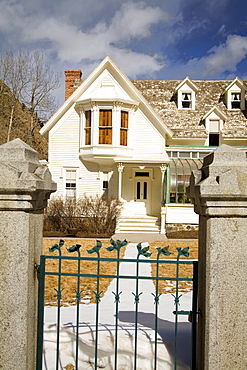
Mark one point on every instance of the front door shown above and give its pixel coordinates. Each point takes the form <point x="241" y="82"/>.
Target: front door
<point x="142" y="192"/>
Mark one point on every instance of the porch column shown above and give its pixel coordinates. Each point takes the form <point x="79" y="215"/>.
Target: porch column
<point x="163" y="208"/>
<point x="168" y="175"/>
<point x="163" y="172"/>
<point x="219" y="194"/>
<point x="120" y="168"/>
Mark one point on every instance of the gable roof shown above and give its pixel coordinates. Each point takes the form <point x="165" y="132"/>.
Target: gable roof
<point x="217" y="111"/>
<point x="127" y="85"/>
<point x="238" y="82"/>
<point x="187" y="81"/>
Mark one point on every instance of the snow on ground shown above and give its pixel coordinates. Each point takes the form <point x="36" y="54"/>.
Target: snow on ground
<point x="126" y="326"/>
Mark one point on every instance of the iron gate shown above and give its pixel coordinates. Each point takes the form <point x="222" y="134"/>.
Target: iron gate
<point x="136" y="281"/>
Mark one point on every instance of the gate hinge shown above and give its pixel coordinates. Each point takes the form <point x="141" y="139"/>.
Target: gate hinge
<point x="37" y="267"/>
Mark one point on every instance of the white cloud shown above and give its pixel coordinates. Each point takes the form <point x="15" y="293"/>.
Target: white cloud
<point x="226" y="56"/>
<point x="72" y="44"/>
<point x="219" y="61"/>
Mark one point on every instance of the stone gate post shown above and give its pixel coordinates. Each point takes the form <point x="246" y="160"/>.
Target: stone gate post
<point x="219" y="194"/>
<point x="25" y="186"/>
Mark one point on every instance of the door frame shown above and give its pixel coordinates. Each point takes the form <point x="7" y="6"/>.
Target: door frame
<point x="142" y="179"/>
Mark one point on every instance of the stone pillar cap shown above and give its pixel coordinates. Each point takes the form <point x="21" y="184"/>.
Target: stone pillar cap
<point x="221" y="181"/>
<point x="23" y="181"/>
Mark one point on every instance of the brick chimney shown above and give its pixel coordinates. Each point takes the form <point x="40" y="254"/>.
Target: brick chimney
<point x="72" y="81"/>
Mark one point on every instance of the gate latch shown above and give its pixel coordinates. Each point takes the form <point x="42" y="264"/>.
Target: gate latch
<point x="188" y="313"/>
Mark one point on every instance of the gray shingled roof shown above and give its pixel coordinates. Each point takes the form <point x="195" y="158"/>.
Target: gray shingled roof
<point x="188" y="123"/>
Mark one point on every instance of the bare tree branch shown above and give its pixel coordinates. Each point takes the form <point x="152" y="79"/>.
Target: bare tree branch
<point x="32" y="83"/>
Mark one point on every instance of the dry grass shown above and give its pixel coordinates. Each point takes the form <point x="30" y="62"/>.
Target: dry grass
<point x="169" y="270"/>
<point x="69" y="284"/>
<point x="88" y="285"/>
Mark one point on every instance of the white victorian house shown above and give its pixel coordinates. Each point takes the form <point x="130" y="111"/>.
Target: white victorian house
<point x="140" y="140"/>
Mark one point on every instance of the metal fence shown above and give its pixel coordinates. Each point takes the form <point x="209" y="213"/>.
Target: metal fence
<point x="136" y="282"/>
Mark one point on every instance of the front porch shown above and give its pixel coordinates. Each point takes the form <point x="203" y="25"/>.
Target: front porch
<point x="153" y="195"/>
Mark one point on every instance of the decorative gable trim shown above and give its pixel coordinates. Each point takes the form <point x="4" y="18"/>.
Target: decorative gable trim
<point x="187" y="81"/>
<point x="108" y="63"/>
<point x="238" y="82"/>
<point x="218" y="113"/>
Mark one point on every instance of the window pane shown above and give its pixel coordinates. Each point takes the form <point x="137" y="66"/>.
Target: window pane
<point x="87" y="127"/>
<point x="138" y="190"/>
<point x="124" y="119"/>
<point x="105" y="126"/>
<point x="214" y="125"/>
<point x="144" y="174"/>
<point x="105" y="118"/>
<point x="235" y="100"/>
<point x="70" y="184"/>
<point x="88" y="118"/>
<point x="186" y="100"/>
<point x="123" y="137"/>
<point x="214" y="139"/>
<point x="145" y="187"/>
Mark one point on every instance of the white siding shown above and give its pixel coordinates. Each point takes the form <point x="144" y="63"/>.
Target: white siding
<point x="64" y="153"/>
<point x="146" y="139"/>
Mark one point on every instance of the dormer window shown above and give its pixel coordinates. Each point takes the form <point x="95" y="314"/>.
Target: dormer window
<point x="234" y="95"/>
<point x="235" y="100"/>
<point x="186" y="100"/>
<point x="214" y="123"/>
<point x="186" y="94"/>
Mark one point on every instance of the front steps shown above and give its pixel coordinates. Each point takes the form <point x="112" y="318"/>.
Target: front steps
<point x="144" y="224"/>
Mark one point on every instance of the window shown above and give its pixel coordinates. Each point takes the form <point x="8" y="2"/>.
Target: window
<point x="70" y="185"/>
<point x="214" y="132"/>
<point x="105" y="185"/>
<point x="235" y="100"/>
<point x="186" y="100"/>
<point x="178" y="185"/>
<point x="88" y="127"/>
<point x="124" y="128"/>
<point x="214" y="139"/>
<point x="105" y="126"/>
<point x="142" y="174"/>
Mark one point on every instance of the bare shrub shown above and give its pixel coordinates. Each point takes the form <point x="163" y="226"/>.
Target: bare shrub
<point x="90" y="215"/>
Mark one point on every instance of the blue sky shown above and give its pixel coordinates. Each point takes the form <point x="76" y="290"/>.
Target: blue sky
<point x="158" y="39"/>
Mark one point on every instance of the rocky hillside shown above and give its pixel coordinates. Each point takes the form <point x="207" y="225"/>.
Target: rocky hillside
<point x="15" y="121"/>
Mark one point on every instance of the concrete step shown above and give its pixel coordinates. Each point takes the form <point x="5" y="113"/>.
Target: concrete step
<point x="139" y="224"/>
